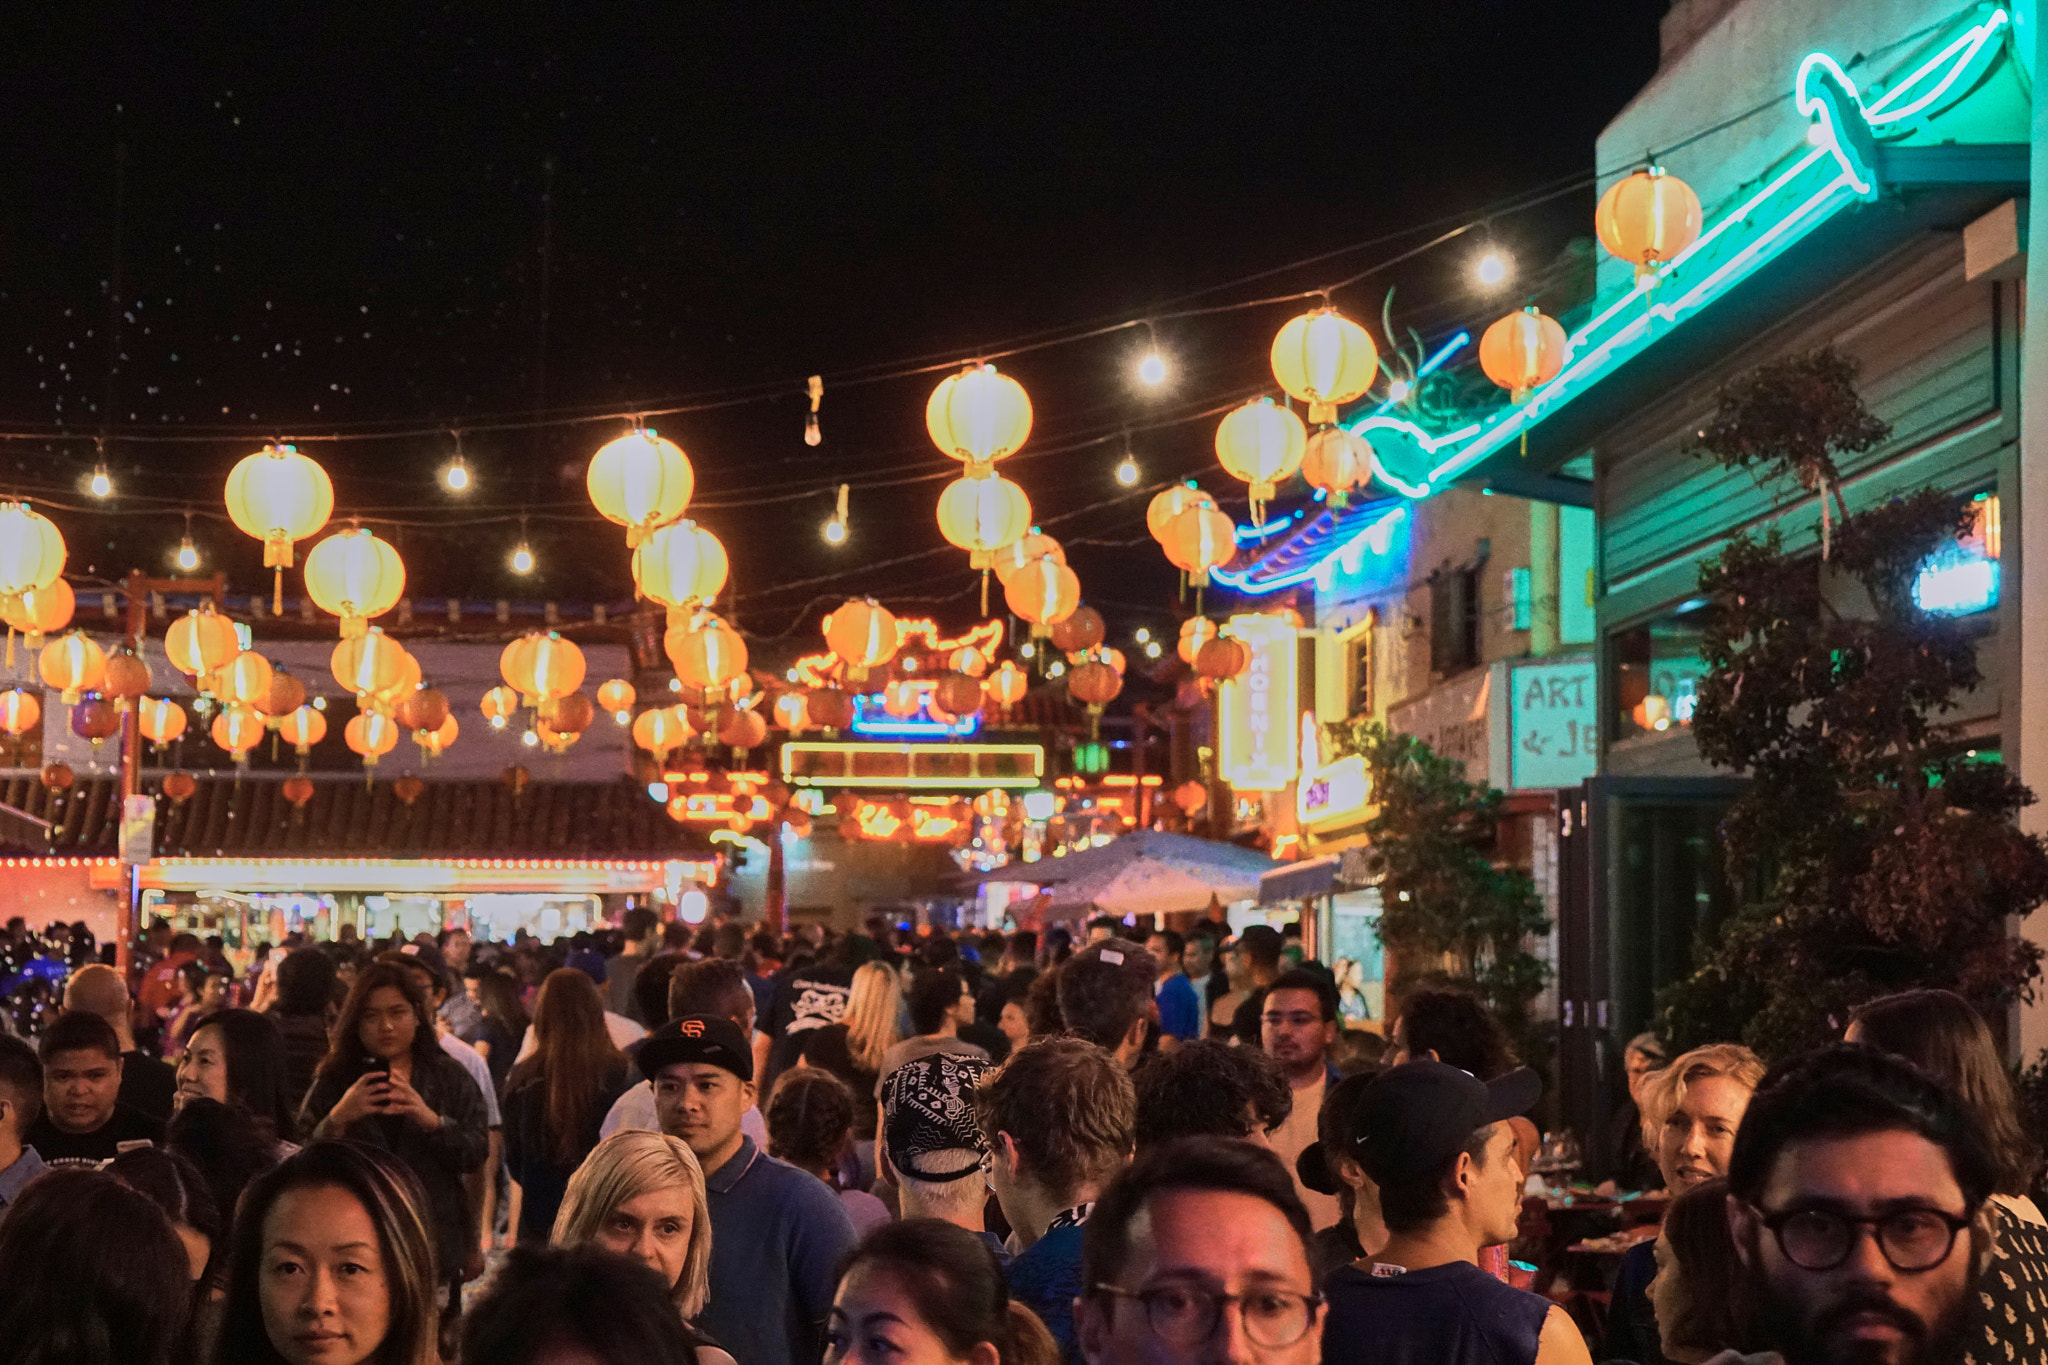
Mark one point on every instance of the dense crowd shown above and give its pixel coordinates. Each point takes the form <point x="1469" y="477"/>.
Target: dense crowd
<point x="656" y="1144"/>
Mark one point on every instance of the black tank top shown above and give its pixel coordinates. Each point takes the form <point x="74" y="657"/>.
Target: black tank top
<point x="1454" y="1314"/>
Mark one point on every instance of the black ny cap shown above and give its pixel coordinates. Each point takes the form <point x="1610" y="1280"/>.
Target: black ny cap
<point x="1414" y="1119"/>
<point x="711" y="1038"/>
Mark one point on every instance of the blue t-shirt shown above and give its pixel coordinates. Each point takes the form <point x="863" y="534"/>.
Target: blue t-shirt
<point x="1046" y="1278"/>
<point x="1454" y="1314"/>
<point x="777" y="1237"/>
<point x="1180" y="1009"/>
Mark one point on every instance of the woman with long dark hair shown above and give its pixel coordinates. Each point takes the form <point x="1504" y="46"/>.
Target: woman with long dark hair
<point x="91" y="1273"/>
<point x="387" y="1083"/>
<point x="927" y="1290"/>
<point x="505" y="1022"/>
<point x="557" y="1098"/>
<point x="238" y="1057"/>
<point x="331" y="1261"/>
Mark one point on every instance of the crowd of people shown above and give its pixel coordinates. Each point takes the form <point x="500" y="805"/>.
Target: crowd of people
<point x="919" y="1148"/>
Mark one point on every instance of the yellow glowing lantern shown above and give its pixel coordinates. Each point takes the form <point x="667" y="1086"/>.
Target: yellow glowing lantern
<point x="368" y="664"/>
<point x="370" y="735"/>
<point x="616" y="696"/>
<point x="640" y="481"/>
<point x="1112" y="656"/>
<point x="40" y="611"/>
<point x="1194" y="633"/>
<point x="1522" y="352"/>
<point x="792" y="712"/>
<point x="1043" y="593"/>
<point x="160" y="719"/>
<point x="981" y="514"/>
<point x="864" y="634"/>
<point x="969" y="660"/>
<point x="404" y="686"/>
<point x="1261" y="443"/>
<point x="1200" y="539"/>
<point x="1337" y="462"/>
<point x="73" y="665"/>
<point x="355" y="575"/>
<point x="1031" y="545"/>
<point x="434" y="743"/>
<point x="661" y="730"/>
<point x="1648" y="219"/>
<point x="200" y="641"/>
<point x="1169" y="503"/>
<point x="302" y="729"/>
<point x="20" y="711"/>
<point x="680" y="565"/>
<point x="903" y="698"/>
<point x="978" y="416"/>
<point x="542" y="667"/>
<point x="238" y="728"/>
<point x="1007" y="685"/>
<point x="245" y="678"/>
<point x="1323" y="359"/>
<point x="706" y="652"/>
<point x="499" y="705"/>
<point x="31" y="553"/>
<point x="279" y="496"/>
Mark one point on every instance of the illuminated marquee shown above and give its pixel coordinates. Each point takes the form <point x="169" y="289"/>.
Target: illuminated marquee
<point x="923" y="821"/>
<point x="818" y="670"/>
<point x="1329" y="794"/>
<point x="963" y="767"/>
<point x="1255" y="748"/>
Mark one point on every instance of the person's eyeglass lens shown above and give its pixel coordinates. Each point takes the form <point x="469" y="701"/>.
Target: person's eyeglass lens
<point x="1911" y="1239"/>
<point x="1183" y="1315"/>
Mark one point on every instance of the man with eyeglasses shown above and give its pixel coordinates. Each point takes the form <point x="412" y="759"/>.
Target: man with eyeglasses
<point x="1858" y="1188"/>
<point x="1199" y="1252"/>
<point x="1297" y="1025"/>
<point x="1438" y="1144"/>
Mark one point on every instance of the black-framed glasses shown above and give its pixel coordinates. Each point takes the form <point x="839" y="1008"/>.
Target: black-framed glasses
<point x="1821" y="1239"/>
<point x="1187" y="1315"/>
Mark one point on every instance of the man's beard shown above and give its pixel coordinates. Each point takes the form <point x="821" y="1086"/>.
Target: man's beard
<point x="1783" y="1326"/>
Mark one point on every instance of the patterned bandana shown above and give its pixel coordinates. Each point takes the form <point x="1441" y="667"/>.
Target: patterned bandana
<point x="927" y="1107"/>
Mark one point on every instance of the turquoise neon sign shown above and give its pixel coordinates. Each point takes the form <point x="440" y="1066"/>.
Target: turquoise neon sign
<point x="1349" y="557"/>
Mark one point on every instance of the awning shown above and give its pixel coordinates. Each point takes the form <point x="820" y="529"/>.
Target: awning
<point x="1298" y="881"/>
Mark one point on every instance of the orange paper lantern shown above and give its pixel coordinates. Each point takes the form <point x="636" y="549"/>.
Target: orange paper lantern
<point x="435" y="742"/>
<point x="706" y="652"/>
<point x="616" y="696"/>
<point x="1169" y="503"/>
<point x="863" y="634"/>
<point x="160" y="720"/>
<point x="73" y="665"/>
<point x="200" y="641"/>
<point x="1043" y="593"/>
<point x="1007" y="685"/>
<point x="828" y="708"/>
<point x="1648" y="219"/>
<point x="302" y="728"/>
<point x="1082" y="630"/>
<point x="20" y="712"/>
<point x="1031" y="545"/>
<point x="238" y="728"/>
<point x="40" y="611"/>
<point x="127" y="676"/>
<point x="370" y="735"/>
<point x="1522" y="352"/>
<point x="368" y="664"/>
<point x="1337" y="462"/>
<point x="1198" y="540"/>
<point x="1094" y="684"/>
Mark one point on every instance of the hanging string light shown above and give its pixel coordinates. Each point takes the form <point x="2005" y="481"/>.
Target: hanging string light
<point x="815" y="387"/>
<point x="455" y="475"/>
<point x="522" y="553"/>
<point x="834" y="529"/>
<point x="1127" y="470"/>
<point x="101" y="484"/>
<point x="187" y="556"/>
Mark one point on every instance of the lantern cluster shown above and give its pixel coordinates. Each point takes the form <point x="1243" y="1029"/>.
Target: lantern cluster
<point x="978" y="417"/>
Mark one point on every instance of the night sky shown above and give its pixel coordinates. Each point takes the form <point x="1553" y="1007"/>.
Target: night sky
<point x="340" y="219"/>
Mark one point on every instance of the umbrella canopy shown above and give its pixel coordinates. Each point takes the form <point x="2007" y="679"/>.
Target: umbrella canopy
<point x="1145" y="872"/>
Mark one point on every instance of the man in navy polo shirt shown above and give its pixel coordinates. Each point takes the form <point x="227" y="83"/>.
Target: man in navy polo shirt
<point x="777" y="1233"/>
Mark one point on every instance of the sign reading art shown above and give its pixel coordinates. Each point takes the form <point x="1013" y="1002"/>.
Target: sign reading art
<point x="1553" y="724"/>
<point x="1256" y="709"/>
<point x="1329" y="794"/>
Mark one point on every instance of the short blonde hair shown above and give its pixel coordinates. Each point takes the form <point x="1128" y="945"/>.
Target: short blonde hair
<point x="625" y="1166"/>
<point x="1664" y="1090"/>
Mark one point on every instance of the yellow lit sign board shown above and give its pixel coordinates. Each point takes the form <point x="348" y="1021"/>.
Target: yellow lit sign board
<point x="900" y="767"/>
<point x="1256" y="709"/>
<point x="1329" y="794"/>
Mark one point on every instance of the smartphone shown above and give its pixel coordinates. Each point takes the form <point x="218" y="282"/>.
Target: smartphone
<point x="382" y="1064"/>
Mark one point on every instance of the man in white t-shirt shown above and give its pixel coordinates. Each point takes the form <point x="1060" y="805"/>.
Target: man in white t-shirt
<point x="1297" y="1025"/>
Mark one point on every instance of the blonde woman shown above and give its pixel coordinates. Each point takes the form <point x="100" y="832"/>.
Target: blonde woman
<point x="853" y="1049"/>
<point x="642" y="1195"/>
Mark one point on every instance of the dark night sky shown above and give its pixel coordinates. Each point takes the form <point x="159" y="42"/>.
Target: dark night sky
<point x="337" y="221"/>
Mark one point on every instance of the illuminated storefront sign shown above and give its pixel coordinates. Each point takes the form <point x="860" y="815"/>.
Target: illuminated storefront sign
<point x="907" y="822"/>
<point x="870" y="718"/>
<point x="1255" y="747"/>
<point x="425" y="876"/>
<point x="1963" y="579"/>
<point x="1553" y="724"/>
<point x="1330" y="794"/>
<point x="966" y="767"/>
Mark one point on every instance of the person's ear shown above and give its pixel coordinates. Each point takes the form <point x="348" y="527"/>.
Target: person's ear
<point x="748" y="1094"/>
<point x="1005" y="1153"/>
<point x="1742" y="1226"/>
<point x="1431" y="1054"/>
<point x="984" y="1353"/>
<point x="1091" y="1327"/>
<point x="1134" y="1036"/>
<point x="1351" y="1173"/>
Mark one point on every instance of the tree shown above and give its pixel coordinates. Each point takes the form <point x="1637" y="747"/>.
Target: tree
<point x="1448" y="915"/>
<point x="1885" y="855"/>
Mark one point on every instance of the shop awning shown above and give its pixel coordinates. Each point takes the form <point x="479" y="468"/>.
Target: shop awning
<point x="1145" y="872"/>
<point x="1299" y="881"/>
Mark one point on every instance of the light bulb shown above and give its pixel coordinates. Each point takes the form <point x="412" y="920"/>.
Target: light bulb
<point x="456" y="475"/>
<point x="812" y="436"/>
<point x="1141" y="635"/>
<point x="1152" y="370"/>
<point x="1492" y="269"/>
<point x="1027" y="650"/>
<point x="522" y="559"/>
<point x="835" y="532"/>
<point x="1056" y="669"/>
<point x="101" y="485"/>
<point x="1398" y="391"/>
<point x="188" y="555"/>
<point x="1152" y="649"/>
<point x="497" y="722"/>
<point x="529" y="739"/>
<point x="1127" y="471"/>
<point x="623" y="717"/>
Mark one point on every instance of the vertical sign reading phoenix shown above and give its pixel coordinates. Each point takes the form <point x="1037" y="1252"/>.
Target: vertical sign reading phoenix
<point x="1257" y="709"/>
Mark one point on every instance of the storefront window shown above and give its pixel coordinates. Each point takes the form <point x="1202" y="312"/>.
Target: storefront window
<point x="1963" y="579"/>
<point x="1657" y="673"/>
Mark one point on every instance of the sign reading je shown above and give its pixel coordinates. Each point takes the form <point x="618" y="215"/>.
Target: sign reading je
<point x="1553" y="724"/>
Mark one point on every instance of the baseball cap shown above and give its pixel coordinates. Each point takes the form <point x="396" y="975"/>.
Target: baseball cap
<point x="1414" y="1119"/>
<point x="711" y="1038"/>
<point x="928" y="1106"/>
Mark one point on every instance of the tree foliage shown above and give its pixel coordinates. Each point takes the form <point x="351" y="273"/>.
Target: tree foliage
<point x="1448" y="913"/>
<point x="1886" y="858"/>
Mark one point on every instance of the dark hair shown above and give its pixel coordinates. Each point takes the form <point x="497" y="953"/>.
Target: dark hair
<point x="729" y="940"/>
<point x="1846" y="1091"/>
<point x="1102" y="997"/>
<point x="573" y="1060"/>
<point x="1261" y="945"/>
<point x="650" y="987"/>
<point x="1109" y="922"/>
<point x="1068" y="1106"/>
<point x="305" y="981"/>
<point x="227" y="1145"/>
<point x="94" y="1274"/>
<point x="939" y="951"/>
<point x="1059" y="945"/>
<point x="953" y="1278"/>
<point x="344" y="1060"/>
<point x="182" y="942"/>
<point x="1939" y="1032"/>
<point x="1714" y="1313"/>
<point x="809" y="1118"/>
<point x="933" y="994"/>
<point x="638" y="923"/>
<point x="1196" y="1163"/>
<point x="390" y="1194"/>
<point x="1205" y="1088"/>
<point x="1042" y="1004"/>
<point x="424" y="963"/>
<point x="1024" y="945"/>
<point x="714" y="986"/>
<point x="1417" y="1201"/>
<point x="175" y="1185"/>
<point x="613" y="1307"/>
<point x="79" y="1031"/>
<point x="1175" y="944"/>
<point x="193" y="974"/>
<point x="1458" y="1029"/>
<point x="1314" y="982"/>
<point x="21" y="1075"/>
<point x="497" y="993"/>
<point x="256" y="1065"/>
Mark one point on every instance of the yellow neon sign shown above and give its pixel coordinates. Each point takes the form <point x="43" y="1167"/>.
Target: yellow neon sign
<point x="1255" y="750"/>
<point x="851" y="763"/>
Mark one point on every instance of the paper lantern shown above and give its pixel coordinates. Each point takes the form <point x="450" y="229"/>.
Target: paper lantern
<point x="302" y="728"/>
<point x="969" y="660"/>
<point x="58" y="777"/>
<point x="540" y="666"/>
<point x="1169" y="503"/>
<point x="903" y="699"/>
<point x="20" y="712"/>
<point x="1194" y="633"/>
<point x="424" y="711"/>
<point x="244" y="679"/>
<point x="40" y="611"/>
<point x="706" y="652"/>
<point x="572" y="714"/>
<point x="1648" y="219"/>
<point x="73" y="665"/>
<point x="298" y="790"/>
<point x="983" y="513"/>
<point x="640" y="481"/>
<point x="1082" y="630"/>
<point x="862" y="633"/>
<point x="370" y="735"/>
<point x="279" y="496"/>
<point x="616" y="696"/>
<point x="791" y="712"/>
<point x="660" y="730"/>
<point x="978" y="416"/>
<point x="680" y="565"/>
<point x="1323" y="359"/>
<point x="238" y="728"/>
<point x="1031" y="545"/>
<point x="160" y="719"/>
<point x="1522" y="352"/>
<point x="355" y="575"/>
<point x="31" y="553"/>
<point x="1261" y="443"/>
<point x="408" y="789"/>
<point x="435" y="742"/>
<point x="1200" y="539"/>
<point x="1222" y="658"/>
<point x="127" y="676"/>
<point x="1094" y="684"/>
<point x="1007" y="685"/>
<point x="741" y="729"/>
<point x="180" y="787"/>
<point x="1043" y="593"/>
<point x="369" y="663"/>
<point x="387" y="699"/>
<point x="1338" y="462"/>
<point x="498" y="706"/>
<point x="286" y="695"/>
<point x="1111" y="656"/>
<point x="1190" y="797"/>
<point x="201" y="641"/>
<point x="828" y="708"/>
<point x="958" y="694"/>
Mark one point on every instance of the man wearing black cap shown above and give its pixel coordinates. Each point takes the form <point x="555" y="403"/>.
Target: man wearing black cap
<point x="777" y="1233"/>
<point x="1438" y="1145"/>
<point x="931" y="1147"/>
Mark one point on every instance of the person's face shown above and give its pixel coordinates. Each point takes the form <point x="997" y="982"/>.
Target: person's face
<point x="473" y="987"/>
<point x="1100" y="932"/>
<point x="203" y="1070"/>
<point x="1210" y="1241"/>
<point x="214" y="994"/>
<point x="1638" y="1066"/>
<point x="1165" y="961"/>
<point x="1863" y="1310"/>
<point x="1014" y="1025"/>
<point x="1196" y="957"/>
<point x="388" y="1023"/>
<point x="322" y="1281"/>
<point x="456" y="954"/>
<point x="701" y="1104"/>
<point x="1696" y="1140"/>
<point x="1293" y="1029"/>
<point x="875" y="1321"/>
<point x="1493" y="1193"/>
<point x="654" y="1228"/>
<point x="79" y="1088"/>
<point x="963" y="1010"/>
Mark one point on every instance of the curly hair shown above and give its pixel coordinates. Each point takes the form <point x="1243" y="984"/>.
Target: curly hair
<point x="1067" y="1106"/>
<point x="1207" y="1087"/>
<point x="809" y="1118"/>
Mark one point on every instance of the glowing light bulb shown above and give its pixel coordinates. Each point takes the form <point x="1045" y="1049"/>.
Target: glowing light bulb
<point x="529" y="739"/>
<point x="623" y="717"/>
<point x="1127" y="471"/>
<point x="1141" y="635"/>
<point x="101" y="484"/>
<point x="1152" y="649"/>
<point x="497" y="722"/>
<point x="1398" y="391"/>
<point x="812" y="436"/>
<point x="522" y="559"/>
<point x="456" y="476"/>
<point x="1152" y="370"/>
<point x="188" y="555"/>
<point x="1056" y="669"/>
<point x="1027" y="650"/>
<point x="675" y="684"/>
<point x="1493" y="268"/>
<point x="835" y="532"/>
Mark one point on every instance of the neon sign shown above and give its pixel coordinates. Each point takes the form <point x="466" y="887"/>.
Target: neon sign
<point x="1255" y="709"/>
<point x="907" y="822"/>
<point x="816" y="670"/>
<point x="1335" y="793"/>
<point x="1376" y="539"/>
<point x="872" y="718"/>
<point x="954" y="766"/>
